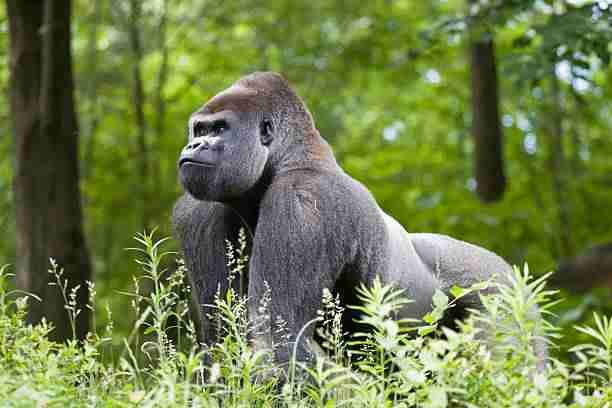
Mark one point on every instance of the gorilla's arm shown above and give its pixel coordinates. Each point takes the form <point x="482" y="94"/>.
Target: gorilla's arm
<point x="293" y="255"/>
<point x="202" y="228"/>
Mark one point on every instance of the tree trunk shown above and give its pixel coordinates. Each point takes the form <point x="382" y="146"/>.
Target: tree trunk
<point x="556" y="165"/>
<point x="486" y="129"/>
<point x="46" y="183"/>
<point x="91" y="93"/>
<point x="590" y="269"/>
<point x="138" y="103"/>
<point x="160" y="99"/>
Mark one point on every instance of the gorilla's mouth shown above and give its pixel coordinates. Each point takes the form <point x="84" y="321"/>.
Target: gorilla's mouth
<point x="186" y="161"/>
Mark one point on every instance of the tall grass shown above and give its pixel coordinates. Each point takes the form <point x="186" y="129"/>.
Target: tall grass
<point x="393" y="364"/>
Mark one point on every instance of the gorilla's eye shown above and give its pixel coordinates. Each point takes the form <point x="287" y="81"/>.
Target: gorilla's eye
<point x="266" y="127"/>
<point x="265" y="132"/>
<point x="200" y="129"/>
<point x="219" y="126"/>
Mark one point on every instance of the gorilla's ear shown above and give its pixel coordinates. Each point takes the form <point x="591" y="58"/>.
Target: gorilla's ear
<point x="266" y="131"/>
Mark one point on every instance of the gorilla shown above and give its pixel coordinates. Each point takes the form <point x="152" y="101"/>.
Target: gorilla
<point x="254" y="158"/>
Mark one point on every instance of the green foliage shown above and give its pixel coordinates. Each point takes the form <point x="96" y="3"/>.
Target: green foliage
<point x="388" y="85"/>
<point x="391" y="365"/>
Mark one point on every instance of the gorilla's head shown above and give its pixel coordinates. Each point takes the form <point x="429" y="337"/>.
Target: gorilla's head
<point x="226" y="154"/>
<point x="233" y="137"/>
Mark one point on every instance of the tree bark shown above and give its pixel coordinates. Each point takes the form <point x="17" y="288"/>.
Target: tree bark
<point x="486" y="129"/>
<point x="557" y="164"/>
<point x="92" y="119"/>
<point x="590" y="269"/>
<point x="138" y="104"/>
<point x="46" y="181"/>
<point x="160" y="99"/>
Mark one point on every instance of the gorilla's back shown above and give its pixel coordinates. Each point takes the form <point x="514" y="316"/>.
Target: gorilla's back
<point x="423" y="262"/>
<point x="450" y="259"/>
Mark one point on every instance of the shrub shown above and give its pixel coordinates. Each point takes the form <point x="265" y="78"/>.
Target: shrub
<point x="395" y="364"/>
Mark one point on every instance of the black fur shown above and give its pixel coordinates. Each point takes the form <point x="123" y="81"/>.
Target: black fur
<point x="314" y="226"/>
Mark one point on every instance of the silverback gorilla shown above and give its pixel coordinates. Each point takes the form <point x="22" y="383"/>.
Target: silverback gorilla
<point x="255" y="158"/>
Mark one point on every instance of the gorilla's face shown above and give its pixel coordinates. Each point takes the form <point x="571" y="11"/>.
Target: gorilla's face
<point x="225" y="156"/>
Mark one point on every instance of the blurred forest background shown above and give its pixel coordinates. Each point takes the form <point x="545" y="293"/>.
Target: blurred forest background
<point x="489" y="121"/>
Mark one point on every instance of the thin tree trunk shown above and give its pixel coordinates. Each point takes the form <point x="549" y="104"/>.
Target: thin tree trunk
<point x="556" y="166"/>
<point x="486" y="127"/>
<point x="536" y="193"/>
<point x="46" y="183"/>
<point x="582" y="110"/>
<point x="92" y="119"/>
<point x="160" y="101"/>
<point x="138" y="105"/>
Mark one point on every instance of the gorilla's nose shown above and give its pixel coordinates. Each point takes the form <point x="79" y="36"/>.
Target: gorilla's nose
<point x="203" y="143"/>
<point x="197" y="143"/>
<point x="202" y="151"/>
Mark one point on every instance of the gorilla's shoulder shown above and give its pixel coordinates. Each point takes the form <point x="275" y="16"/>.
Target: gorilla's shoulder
<point x="314" y="196"/>
<point x="330" y="186"/>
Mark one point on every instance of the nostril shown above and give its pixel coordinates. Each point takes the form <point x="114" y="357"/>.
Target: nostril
<point x="198" y="145"/>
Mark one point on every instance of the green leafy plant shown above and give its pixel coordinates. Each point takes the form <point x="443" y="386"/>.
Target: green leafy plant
<point x="393" y="362"/>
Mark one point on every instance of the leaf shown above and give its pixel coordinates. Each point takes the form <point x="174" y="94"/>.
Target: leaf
<point x="440" y="300"/>
<point x="425" y="330"/>
<point x="457" y="291"/>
